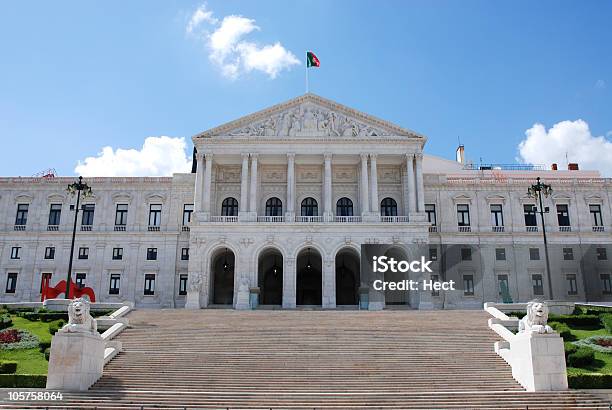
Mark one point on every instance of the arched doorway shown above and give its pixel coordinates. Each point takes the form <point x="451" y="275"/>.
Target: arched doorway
<point x="270" y="277"/>
<point x="309" y="278"/>
<point x="347" y="277"/>
<point x="222" y="268"/>
<point x="396" y="297"/>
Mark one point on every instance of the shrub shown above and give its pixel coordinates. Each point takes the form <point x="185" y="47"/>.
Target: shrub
<point x="51" y="316"/>
<point x="576" y="320"/>
<point x="7" y="367"/>
<point x="47" y="352"/>
<point x="606" y="321"/>
<point x="54" y="327"/>
<point x="563" y="330"/>
<point x="11" y="339"/>
<point x="23" y="380"/>
<point x="44" y="345"/>
<point x="5" y="321"/>
<point x="598" y="342"/>
<point x="569" y="349"/>
<point x="582" y="357"/>
<point x="581" y="380"/>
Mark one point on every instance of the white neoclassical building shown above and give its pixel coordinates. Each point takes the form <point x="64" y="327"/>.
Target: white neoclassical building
<point x="278" y="206"/>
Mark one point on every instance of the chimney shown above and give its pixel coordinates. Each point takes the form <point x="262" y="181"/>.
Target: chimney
<point x="553" y="167"/>
<point x="461" y="154"/>
<point x="572" y="166"/>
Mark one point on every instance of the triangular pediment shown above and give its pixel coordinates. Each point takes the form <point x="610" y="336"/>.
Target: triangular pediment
<point x="309" y="116"/>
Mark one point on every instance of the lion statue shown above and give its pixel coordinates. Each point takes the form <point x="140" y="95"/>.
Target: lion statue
<point x="79" y="319"/>
<point x="536" y="318"/>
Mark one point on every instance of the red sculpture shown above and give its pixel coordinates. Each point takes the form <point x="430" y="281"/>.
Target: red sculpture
<point x="49" y="292"/>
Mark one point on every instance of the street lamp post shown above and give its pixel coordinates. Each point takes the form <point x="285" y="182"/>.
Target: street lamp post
<point x="538" y="190"/>
<point x="79" y="188"/>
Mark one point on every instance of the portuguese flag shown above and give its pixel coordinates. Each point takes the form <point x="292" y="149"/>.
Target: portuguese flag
<point x="312" y="60"/>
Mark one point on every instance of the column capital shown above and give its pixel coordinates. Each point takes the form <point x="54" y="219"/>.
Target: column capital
<point x="418" y="156"/>
<point x="244" y="155"/>
<point x="199" y="156"/>
<point x="208" y="156"/>
<point x="410" y="155"/>
<point x="291" y="155"/>
<point x="254" y="155"/>
<point x="373" y="157"/>
<point x="327" y="156"/>
<point x="364" y="156"/>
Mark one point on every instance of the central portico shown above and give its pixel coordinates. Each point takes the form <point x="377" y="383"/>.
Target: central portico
<point x="285" y="197"/>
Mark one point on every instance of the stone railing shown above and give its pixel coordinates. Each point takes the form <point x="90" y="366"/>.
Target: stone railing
<point x="535" y="353"/>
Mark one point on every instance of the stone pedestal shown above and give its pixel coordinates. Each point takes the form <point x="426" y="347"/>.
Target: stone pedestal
<point x="243" y="299"/>
<point x="192" y="300"/>
<point x="76" y="361"/>
<point x="538" y="361"/>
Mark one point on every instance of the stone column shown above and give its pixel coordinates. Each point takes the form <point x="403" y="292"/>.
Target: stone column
<point x="244" y="186"/>
<point x="364" y="185"/>
<point x="289" y="276"/>
<point x="418" y="158"/>
<point x="374" y="184"/>
<point x="253" y="199"/>
<point x="329" y="284"/>
<point x="199" y="184"/>
<point x="411" y="183"/>
<point x="207" y="186"/>
<point x="290" y="215"/>
<point x="327" y="187"/>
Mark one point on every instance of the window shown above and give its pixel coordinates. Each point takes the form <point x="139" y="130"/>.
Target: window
<point x="229" y="207"/>
<point x="149" y="284"/>
<point x="185" y="254"/>
<point x="602" y="254"/>
<point x="80" y="280"/>
<point x="430" y="210"/>
<point x="115" y="281"/>
<point x="151" y="254"/>
<point x="606" y="284"/>
<point x="121" y="213"/>
<point x="538" y="287"/>
<point x="388" y="207"/>
<point x="502" y="282"/>
<point x="572" y="284"/>
<point x="155" y="214"/>
<point x="596" y="218"/>
<point x="117" y="254"/>
<point x="15" y="252"/>
<point x="187" y="211"/>
<point x="534" y="254"/>
<point x="55" y="213"/>
<point x="497" y="215"/>
<point x="11" y="282"/>
<point x="433" y="254"/>
<point x="22" y="214"/>
<point x="500" y="254"/>
<point x="568" y="254"/>
<point x="563" y="215"/>
<point x="466" y="254"/>
<point x="45" y="277"/>
<point x="182" y="285"/>
<point x="50" y="252"/>
<point x="309" y="207"/>
<point x="344" y="207"/>
<point x="463" y="215"/>
<point x="530" y="215"/>
<point x="435" y="278"/>
<point x="83" y="253"/>
<point x="88" y="214"/>
<point x="274" y="207"/>
<point x="468" y="285"/>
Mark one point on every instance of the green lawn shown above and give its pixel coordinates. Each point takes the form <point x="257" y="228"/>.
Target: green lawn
<point x="603" y="361"/>
<point x="40" y="329"/>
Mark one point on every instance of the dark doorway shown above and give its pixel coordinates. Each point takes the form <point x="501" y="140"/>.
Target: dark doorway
<point x="347" y="277"/>
<point x="396" y="297"/>
<point x="223" y="264"/>
<point x="309" y="278"/>
<point x="270" y="277"/>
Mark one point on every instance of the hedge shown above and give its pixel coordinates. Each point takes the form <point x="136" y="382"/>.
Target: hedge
<point x="42" y="346"/>
<point x="44" y="316"/>
<point x="23" y="380"/>
<point x="589" y="381"/>
<point x="53" y="328"/>
<point x="576" y="320"/>
<point x="606" y="320"/>
<point x="569" y="349"/>
<point x="7" y="367"/>
<point x="582" y="357"/>
<point x="563" y="330"/>
<point x="5" y="321"/>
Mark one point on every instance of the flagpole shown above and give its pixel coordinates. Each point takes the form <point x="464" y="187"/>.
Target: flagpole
<point x="306" y="72"/>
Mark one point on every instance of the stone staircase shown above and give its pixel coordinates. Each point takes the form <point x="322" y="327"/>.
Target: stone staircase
<point x="311" y="359"/>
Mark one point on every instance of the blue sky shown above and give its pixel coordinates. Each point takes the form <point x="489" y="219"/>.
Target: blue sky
<point x="80" y="76"/>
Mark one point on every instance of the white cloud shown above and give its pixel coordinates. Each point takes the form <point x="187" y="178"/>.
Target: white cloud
<point x="543" y="146"/>
<point x="159" y="156"/>
<point x="234" y="55"/>
<point x="200" y="16"/>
